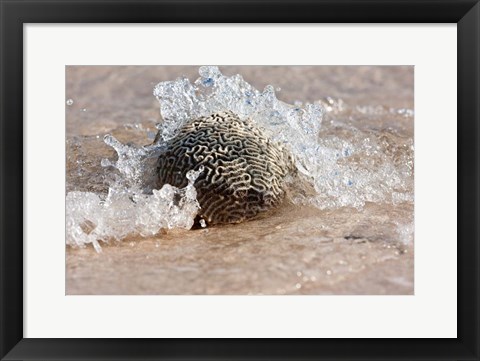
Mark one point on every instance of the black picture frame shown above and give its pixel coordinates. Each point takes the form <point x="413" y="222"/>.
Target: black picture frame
<point x="16" y="13"/>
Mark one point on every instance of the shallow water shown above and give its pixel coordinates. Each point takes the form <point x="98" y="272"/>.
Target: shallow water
<point x="353" y="237"/>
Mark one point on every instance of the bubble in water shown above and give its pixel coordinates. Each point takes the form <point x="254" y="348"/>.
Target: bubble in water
<point x="70" y="102"/>
<point x="203" y="224"/>
<point x="193" y="175"/>
<point x="105" y="163"/>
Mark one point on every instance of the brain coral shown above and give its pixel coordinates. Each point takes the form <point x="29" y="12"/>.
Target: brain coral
<point x="244" y="172"/>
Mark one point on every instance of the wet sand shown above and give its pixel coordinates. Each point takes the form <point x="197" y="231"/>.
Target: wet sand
<point x="294" y="250"/>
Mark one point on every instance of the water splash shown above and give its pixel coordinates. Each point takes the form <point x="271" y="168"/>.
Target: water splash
<point x="89" y="219"/>
<point x="339" y="163"/>
<point x="345" y="166"/>
<point x="132" y="206"/>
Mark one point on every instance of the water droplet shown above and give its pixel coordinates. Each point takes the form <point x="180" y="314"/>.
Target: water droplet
<point x="208" y="82"/>
<point x="298" y="286"/>
<point x="203" y="224"/>
<point x="105" y="163"/>
<point x="70" y="102"/>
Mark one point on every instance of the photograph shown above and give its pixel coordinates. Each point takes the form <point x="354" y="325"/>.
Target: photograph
<point x="239" y="180"/>
<point x="268" y="180"/>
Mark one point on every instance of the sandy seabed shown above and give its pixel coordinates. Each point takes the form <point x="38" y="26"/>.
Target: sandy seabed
<point x="295" y="250"/>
